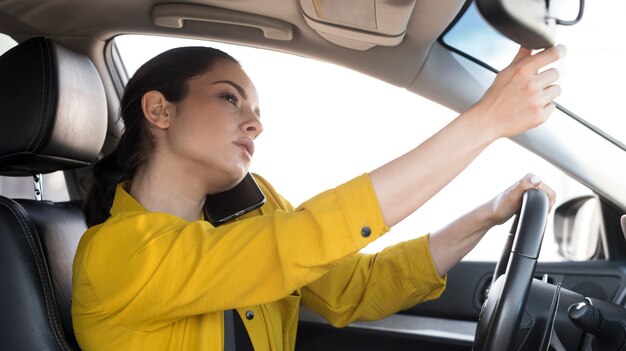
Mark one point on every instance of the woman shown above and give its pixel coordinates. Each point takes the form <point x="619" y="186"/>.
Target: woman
<point x="151" y="274"/>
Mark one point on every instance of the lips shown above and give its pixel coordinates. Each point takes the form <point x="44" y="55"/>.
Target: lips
<point x="246" y="144"/>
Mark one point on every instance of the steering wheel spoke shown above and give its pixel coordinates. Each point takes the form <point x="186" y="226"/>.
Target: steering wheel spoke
<point x="501" y="314"/>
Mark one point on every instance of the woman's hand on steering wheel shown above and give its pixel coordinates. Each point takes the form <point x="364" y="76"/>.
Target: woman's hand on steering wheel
<point x="508" y="202"/>
<point x="452" y="242"/>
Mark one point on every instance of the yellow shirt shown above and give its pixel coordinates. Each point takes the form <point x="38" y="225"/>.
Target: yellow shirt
<point x="153" y="281"/>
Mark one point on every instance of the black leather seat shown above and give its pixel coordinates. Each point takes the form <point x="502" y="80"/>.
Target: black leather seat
<point x="52" y="117"/>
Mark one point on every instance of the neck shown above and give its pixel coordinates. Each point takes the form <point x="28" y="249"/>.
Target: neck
<point x="159" y="187"/>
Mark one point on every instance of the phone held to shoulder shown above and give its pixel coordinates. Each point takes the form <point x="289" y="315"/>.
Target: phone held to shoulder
<point x="244" y="197"/>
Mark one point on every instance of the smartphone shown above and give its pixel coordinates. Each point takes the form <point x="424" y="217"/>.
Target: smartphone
<point x="244" y="197"/>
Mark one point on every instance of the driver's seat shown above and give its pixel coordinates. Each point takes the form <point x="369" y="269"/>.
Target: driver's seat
<point x="53" y="117"/>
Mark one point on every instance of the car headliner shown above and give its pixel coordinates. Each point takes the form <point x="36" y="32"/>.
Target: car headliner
<point x="86" y="25"/>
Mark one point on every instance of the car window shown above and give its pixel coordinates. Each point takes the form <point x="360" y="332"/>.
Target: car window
<point x="54" y="187"/>
<point x="325" y="124"/>
<point x="6" y="43"/>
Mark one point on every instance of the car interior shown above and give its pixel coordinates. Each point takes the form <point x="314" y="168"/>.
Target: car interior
<point x="53" y="93"/>
<point x="61" y="79"/>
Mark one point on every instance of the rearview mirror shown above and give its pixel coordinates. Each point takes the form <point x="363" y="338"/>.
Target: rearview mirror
<point x="577" y="228"/>
<point x="531" y="23"/>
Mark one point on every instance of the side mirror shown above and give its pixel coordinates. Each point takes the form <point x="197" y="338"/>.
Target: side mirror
<point x="577" y="226"/>
<point x="530" y="23"/>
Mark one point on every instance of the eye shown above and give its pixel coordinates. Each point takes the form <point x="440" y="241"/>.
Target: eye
<point x="231" y="98"/>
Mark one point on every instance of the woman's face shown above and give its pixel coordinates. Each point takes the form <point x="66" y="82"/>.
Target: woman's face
<point x="213" y="129"/>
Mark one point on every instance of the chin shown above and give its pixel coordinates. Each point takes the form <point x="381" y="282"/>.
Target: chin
<point x="232" y="178"/>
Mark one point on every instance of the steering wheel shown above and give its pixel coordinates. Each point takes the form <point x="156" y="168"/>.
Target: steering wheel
<point x="501" y="313"/>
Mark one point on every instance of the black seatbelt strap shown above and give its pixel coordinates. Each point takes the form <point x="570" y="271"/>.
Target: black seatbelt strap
<point x="236" y="336"/>
<point x="241" y="334"/>
<point x="229" y="331"/>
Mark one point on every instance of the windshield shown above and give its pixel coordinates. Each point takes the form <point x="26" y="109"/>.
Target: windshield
<point x="319" y="134"/>
<point x="592" y="73"/>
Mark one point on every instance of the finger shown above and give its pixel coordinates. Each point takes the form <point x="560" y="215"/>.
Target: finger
<point x="550" y="192"/>
<point x="528" y="181"/>
<point x="521" y="53"/>
<point x="548" y="110"/>
<point x="544" y="58"/>
<point x="548" y="77"/>
<point x="535" y="181"/>
<point x="550" y="94"/>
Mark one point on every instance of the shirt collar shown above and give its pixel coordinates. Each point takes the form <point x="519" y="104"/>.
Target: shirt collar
<point x="124" y="202"/>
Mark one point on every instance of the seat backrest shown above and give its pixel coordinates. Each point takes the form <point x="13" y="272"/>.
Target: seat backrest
<point x="53" y="118"/>
<point x="39" y="240"/>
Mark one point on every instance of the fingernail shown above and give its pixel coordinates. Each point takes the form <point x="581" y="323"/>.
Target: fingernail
<point x="561" y="49"/>
<point x="535" y="179"/>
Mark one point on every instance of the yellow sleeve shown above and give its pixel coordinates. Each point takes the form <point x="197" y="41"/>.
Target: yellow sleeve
<point x="147" y="270"/>
<point x="371" y="287"/>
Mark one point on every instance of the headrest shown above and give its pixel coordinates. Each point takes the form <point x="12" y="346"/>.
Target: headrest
<point x="53" y="112"/>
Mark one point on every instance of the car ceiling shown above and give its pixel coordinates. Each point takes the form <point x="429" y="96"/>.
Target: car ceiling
<point x="85" y="25"/>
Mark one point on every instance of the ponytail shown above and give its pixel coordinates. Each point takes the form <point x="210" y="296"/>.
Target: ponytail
<point x="167" y="73"/>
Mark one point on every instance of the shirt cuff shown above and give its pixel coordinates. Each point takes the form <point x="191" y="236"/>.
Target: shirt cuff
<point x="362" y="210"/>
<point x="422" y="270"/>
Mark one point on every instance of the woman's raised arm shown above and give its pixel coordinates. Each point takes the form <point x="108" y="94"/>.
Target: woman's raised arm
<point x="520" y="98"/>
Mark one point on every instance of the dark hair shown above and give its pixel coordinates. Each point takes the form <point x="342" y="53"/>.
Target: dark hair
<point x="167" y="73"/>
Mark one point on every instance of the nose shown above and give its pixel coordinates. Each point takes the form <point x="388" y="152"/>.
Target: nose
<point x="253" y="126"/>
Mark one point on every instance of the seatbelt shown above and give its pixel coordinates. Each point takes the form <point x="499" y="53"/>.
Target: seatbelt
<point x="241" y="334"/>
<point x="236" y="336"/>
<point x="229" y="331"/>
<point x="234" y="330"/>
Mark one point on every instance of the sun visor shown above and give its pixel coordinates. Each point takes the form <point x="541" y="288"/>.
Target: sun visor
<point x="359" y="24"/>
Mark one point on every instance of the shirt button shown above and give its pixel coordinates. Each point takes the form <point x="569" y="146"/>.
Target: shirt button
<point x="249" y="315"/>
<point x="365" y="232"/>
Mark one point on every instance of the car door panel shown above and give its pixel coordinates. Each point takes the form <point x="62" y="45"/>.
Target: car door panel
<point x="448" y="323"/>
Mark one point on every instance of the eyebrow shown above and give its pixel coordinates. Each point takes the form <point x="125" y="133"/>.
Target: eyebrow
<point x="239" y="89"/>
<point x="234" y="85"/>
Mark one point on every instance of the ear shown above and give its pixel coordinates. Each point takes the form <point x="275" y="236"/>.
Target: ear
<point x="156" y="109"/>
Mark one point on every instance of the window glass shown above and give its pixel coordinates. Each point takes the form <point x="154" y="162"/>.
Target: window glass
<point x="592" y="73"/>
<point x="54" y="187"/>
<point x="325" y="124"/>
<point x="6" y="43"/>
